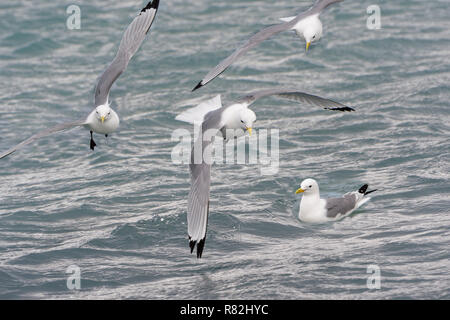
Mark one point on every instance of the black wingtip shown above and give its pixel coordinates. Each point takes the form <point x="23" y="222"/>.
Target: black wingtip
<point x="192" y="244"/>
<point x="364" y="191"/>
<point x="7" y="154"/>
<point x="199" y="85"/>
<point x="343" y="109"/>
<point x="370" y="192"/>
<point x="201" y="243"/>
<point x="200" y="246"/>
<point x="151" y="5"/>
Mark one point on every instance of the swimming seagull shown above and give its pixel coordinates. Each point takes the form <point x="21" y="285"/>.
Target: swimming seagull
<point x="315" y="209"/>
<point x="307" y="25"/>
<point x="216" y="119"/>
<point x="103" y="119"/>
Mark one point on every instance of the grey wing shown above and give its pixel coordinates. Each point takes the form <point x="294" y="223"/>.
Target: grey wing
<point x="252" y="42"/>
<point x="130" y="43"/>
<point x="340" y="206"/>
<point x="198" y="205"/>
<point x="44" y="133"/>
<point x="198" y="199"/>
<point x="297" y="96"/>
<point x="320" y="5"/>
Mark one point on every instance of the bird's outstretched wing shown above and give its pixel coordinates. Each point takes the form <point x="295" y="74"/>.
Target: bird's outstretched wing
<point x="252" y="42"/>
<point x="44" y="133"/>
<point x="130" y="43"/>
<point x="200" y="169"/>
<point x="320" y="5"/>
<point x="296" y="96"/>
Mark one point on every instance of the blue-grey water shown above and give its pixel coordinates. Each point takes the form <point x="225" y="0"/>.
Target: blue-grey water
<point x="119" y="213"/>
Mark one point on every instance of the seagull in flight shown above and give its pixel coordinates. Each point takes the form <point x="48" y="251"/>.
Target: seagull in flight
<point x="218" y="120"/>
<point x="103" y="119"/>
<point x="307" y="25"/>
<point x="316" y="210"/>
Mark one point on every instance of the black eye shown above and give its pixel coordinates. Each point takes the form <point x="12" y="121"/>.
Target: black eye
<point x="242" y="121"/>
<point x="310" y="186"/>
<point x="314" y="37"/>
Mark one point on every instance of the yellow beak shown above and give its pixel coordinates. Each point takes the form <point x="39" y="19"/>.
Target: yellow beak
<point x="103" y="119"/>
<point x="249" y="131"/>
<point x="307" y="45"/>
<point x="299" y="191"/>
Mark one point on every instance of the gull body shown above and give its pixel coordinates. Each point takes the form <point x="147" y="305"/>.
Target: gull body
<point x="238" y="119"/>
<point x="215" y="119"/>
<point x="314" y="209"/>
<point x="309" y="29"/>
<point x="103" y="119"/>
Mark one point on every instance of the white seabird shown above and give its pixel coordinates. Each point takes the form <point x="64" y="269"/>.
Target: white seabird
<point x="316" y="210"/>
<point x="103" y="119"/>
<point x="307" y="25"/>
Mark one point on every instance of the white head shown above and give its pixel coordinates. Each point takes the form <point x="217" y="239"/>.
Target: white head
<point x="308" y="186"/>
<point x="312" y="33"/>
<point x="247" y="118"/>
<point x="103" y="112"/>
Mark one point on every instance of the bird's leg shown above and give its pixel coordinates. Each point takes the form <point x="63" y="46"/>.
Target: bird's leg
<point x="223" y="131"/>
<point x="93" y="144"/>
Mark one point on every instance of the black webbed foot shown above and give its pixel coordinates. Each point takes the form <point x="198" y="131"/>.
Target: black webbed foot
<point x="92" y="144"/>
<point x="106" y="135"/>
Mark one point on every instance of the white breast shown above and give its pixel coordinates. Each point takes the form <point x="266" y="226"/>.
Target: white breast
<point x="110" y="125"/>
<point x="312" y="210"/>
<point x="231" y="117"/>
<point x="308" y="22"/>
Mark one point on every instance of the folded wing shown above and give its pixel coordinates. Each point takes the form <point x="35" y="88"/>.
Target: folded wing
<point x="341" y="206"/>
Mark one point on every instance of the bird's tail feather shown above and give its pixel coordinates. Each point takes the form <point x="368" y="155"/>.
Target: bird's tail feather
<point x="197" y="114"/>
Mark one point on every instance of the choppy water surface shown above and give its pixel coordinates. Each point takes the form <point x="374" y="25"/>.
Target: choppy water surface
<point x="119" y="213"/>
